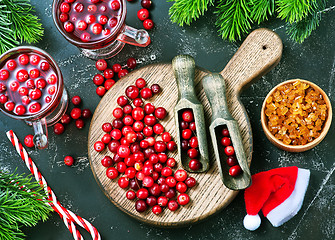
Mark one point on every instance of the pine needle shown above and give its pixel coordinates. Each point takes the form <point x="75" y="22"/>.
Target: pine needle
<point x="21" y="203"/>
<point x="262" y="9"/>
<point x="185" y="11"/>
<point x="293" y="10"/>
<point x="233" y="19"/>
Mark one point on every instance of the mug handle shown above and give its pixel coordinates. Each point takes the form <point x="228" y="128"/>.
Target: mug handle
<point x="40" y="133"/>
<point x="134" y="37"/>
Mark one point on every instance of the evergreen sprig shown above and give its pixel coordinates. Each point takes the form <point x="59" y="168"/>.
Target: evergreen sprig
<point x="235" y="17"/>
<point x="18" y="24"/>
<point x="185" y="11"/>
<point x="22" y="202"/>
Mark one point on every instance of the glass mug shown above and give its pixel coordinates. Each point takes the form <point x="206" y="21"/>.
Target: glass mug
<point x="32" y="90"/>
<point x="95" y="28"/>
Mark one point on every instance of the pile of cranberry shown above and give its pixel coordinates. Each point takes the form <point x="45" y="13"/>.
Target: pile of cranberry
<point x="105" y="80"/>
<point x="229" y="150"/>
<point x="75" y="114"/>
<point x="139" y="144"/>
<point x="143" y="14"/>
<point x="189" y="140"/>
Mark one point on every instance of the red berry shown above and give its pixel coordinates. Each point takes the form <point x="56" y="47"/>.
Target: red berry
<point x="186" y="134"/>
<point x="140" y="83"/>
<point x="140" y="206"/>
<point x="128" y="120"/>
<point x="156" y="210"/>
<point x="99" y="146"/>
<point x="173" y="205"/>
<point x="123" y="182"/>
<point x="9" y="106"/>
<point x="108" y="84"/>
<point x="148" y="131"/>
<point x="68" y="160"/>
<point x="79" y="7"/>
<point x="148" y="24"/>
<point x="107" y="127"/>
<point x="35" y="107"/>
<point x="122" y="73"/>
<point x="23" y="59"/>
<point x="146" y="93"/>
<point x="127" y="109"/>
<point x="98" y="79"/>
<point x="225" y="141"/>
<point x="29" y="141"/>
<point x="162" y="201"/>
<point x="100" y="91"/>
<point x="171" y="146"/>
<point x="166" y="171"/>
<point x="108" y="73"/>
<point x="112" y="173"/>
<point x="192" y="153"/>
<point x="81" y="25"/>
<point x="194" y="164"/>
<point x="148" y="181"/>
<point x="193" y="142"/>
<point x="3" y="98"/>
<point x="130" y="195"/>
<point x="22" y="75"/>
<point x="146" y="3"/>
<point x="225" y="132"/>
<point x="75" y="113"/>
<point x="180" y="175"/>
<point x="101" y="65"/>
<point x="138" y="113"/>
<point x="234" y="171"/>
<point x="142" y="14"/>
<point x="58" y="128"/>
<point x="160" y="113"/>
<point x="171" y="162"/>
<point x="11" y="65"/>
<point x="142" y="193"/>
<point x="183" y="199"/>
<point x="123" y="151"/>
<point x="115" y="5"/>
<point x="91" y="19"/>
<point x="86" y="113"/>
<point x="113" y="146"/>
<point x="138" y="102"/>
<point x="188" y="116"/>
<point x="25" y="100"/>
<point x="229" y="151"/>
<point x="44" y="66"/>
<point x="232" y="161"/>
<point x="132" y="92"/>
<point x="151" y="201"/>
<point x="149" y="108"/>
<point x="150" y="120"/>
<point x="190" y="182"/>
<point x="107" y="161"/>
<point x="65" y="7"/>
<point x="34" y="73"/>
<point x="68" y="26"/>
<point x="80" y="123"/>
<point x="122" y="101"/>
<point x="103" y="19"/>
<point x="14" y="86"/>
<point x="40" y="83"/>
<point x="181" y="187"/>
<point x="76" y="100"/>
<point x="171" y="181"/>
<point x="155" y="88"/>
<point x="131" y="63"/>
<point x="116" y="67"/>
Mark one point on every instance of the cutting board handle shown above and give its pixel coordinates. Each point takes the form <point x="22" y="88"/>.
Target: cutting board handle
<point x="258" y="54"/>
<point x="184" y="70"/>
<point x="215" y="89"/>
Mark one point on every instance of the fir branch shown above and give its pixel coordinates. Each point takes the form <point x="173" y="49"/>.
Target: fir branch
<point x="300" y="30"/>
<point x="293" y="10"/>
<point x="7" y="40"/>
<point x="26" y="26"/>
<point x="233" y="18"/>
<point x="21" y="203"/>
<point x="185" y="11"/>
<point x="262" y="9"/>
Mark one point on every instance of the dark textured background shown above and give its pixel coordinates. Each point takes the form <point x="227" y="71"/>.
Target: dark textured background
<point x="76" y="188"/>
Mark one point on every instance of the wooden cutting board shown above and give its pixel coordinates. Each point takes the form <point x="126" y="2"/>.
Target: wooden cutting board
<point x="258" y="54"/>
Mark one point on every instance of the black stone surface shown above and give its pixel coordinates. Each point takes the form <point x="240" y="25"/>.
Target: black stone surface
<point x="76" y="188"/>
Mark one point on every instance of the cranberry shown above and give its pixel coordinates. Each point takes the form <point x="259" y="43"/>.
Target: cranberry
<point x="21" y="75"/>
<point x="29" y="141"/>
<point x="188" y="116"/>
<point x="75" y="113"/>
<point x="150" y="120"/>
<point x="51" y="90"/>
<point x="148" y="131"/>
<point x="171" y="146"/>
<point x="225" y="132"/>
<point x="122" y="73"/>
<point x="194" y="164"/>
<point x="130" y="194"/>
<point x="63" y="17"/>
<point x="41" y="83"/>
<point x="155" y="88"/>
<point x="80" y="123"/>
<point x="146" y="93"/>
<point x="171" y="193"/>
<point x="68" y="26"/>
<point x="132" y="92"/>
<point x="151" y="141"/>
<point x="158" y="166"/>
<point x="138" y="166"/>
<point x="149" y="108"/>
<point x="68" y="160"/>
<point x="58" y="128"/>
<point x="193" y="142"/>
<point x="34" y="73"/>
<point x="131" y="63"/>
<point x="171" y="162"/>
<point x="3" y="98"/>
<point x="164" y="187"/>
<point x="231" y="161"/>
<point x="101" y="65"/>
<point x="127" y="109"/>
<point x="160" y="146"/>
<point x="225" y="141"/>
<point x="108" y="84"/>
<point x="98" y="79"/>
<point x="118" y="113"/>
<point x="160" y="113"/>
<point x="113" y="146"/>
<point x="81" y="25"/>
<point x="115" y="5"/>
<point x="140" y="206"/>
<point x="100" y="91"/>
<point x="121" y="167"/>
<point x="135" y="147"/>
<point x="140" y="83"/>
<point x="103" y="19"/>
<point x="186" y="134"/>
<point x="166" y="171"/>
<point x="134" y="184"/>
<point x="123" y="151"/>
<point x="99" y="146"/>
<point x="142" y="193"/>
<point x="52" y="79"/>
<point x="144" y="144"/>
<point x="45" y="66"/>
<point x="107" y="161"/>
<point x="139" y="156"/>
<point x="148" y="24"/>
<point x="14" y="86"/>
<point x="113" y="21"/>
<point x="151" y="201"/>
<point x="116" y="67"/>
<point x="106" y="138"/>
<point x="138" y="102"/>
<point x="126" y="129"/>
<point x="122" y="101"/>
<point x="86" y="113"/>
<point x="11" y="65"/>
<point x="183" y="199"/>
<point x="148" y="170"/>
<point x="156" y="210"/>
<point x="138" y="126"/>
<point x="146" y="3"/>
<point x="190" y="182"/>
<point x="76" y="100"/>
<point x="234" y="171"/>
<point x="138" y="113"/>
<point x="112" y="173"/>
<point x="107" y="127"/>
<point x="142" y="14"/>
<point x="65" y="7"/>
<point x="148" y="181"/>
<point x="123" y="182"/>
<point x="35" y="107"/>
<point x="180" y="175"/>
<point x="162" y="201"/>
<point x="117" y="158"/>
<point x="229" y="151"/>
<point x="25" y="100"/>
<point x="181" y="187"/>
<point x="131" y="137"/>
<point x="4" y="74"/>
<point x="9" y="106"/>
<point x="192" y="153"/>
<point x="79" y="7"/>
<point x="91" y="19"/>
<point x="171" y="181"/>
<point x="23" y="59"/>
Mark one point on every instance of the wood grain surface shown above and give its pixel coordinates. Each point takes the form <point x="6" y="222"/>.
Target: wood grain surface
<point x="260" y="52"/>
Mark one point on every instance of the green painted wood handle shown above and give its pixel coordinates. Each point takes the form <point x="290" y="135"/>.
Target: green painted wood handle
<point x="215" y="89"/>
<point x="184" y="67"/>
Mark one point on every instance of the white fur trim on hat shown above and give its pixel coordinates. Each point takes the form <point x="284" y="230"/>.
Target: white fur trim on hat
<point x="252" y="222"/>
<point x="290" y="207"/>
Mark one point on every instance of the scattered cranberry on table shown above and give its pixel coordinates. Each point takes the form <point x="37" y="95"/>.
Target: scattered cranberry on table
<point x="68" y="160"/>
<point x="29" y="141"/>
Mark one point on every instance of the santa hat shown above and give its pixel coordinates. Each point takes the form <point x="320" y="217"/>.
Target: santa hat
<point x="279" y="193"/>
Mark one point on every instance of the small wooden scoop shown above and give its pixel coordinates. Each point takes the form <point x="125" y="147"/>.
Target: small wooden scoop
<point x="184" y="67"/>
<point x="215" y="89"/>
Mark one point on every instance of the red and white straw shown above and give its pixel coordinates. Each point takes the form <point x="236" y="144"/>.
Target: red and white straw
<point x="69" y="218"/>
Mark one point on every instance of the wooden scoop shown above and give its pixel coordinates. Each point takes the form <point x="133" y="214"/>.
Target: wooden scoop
<point x="215" y="90"/>
<point x="184" y="68"/>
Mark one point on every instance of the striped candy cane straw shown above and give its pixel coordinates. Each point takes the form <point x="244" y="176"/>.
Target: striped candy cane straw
<point x="68" y="217"/>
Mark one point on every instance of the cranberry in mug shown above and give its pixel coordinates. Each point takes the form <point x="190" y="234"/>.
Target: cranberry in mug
<point x="28" y="84"/>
